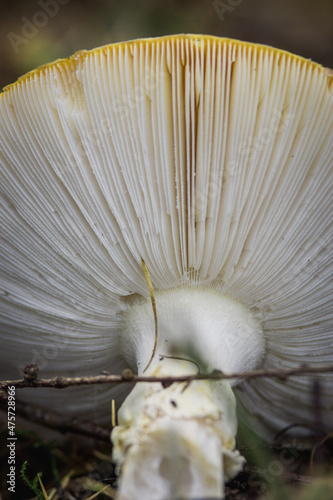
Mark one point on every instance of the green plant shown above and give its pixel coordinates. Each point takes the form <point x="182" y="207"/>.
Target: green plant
<point x="32" y="484"/>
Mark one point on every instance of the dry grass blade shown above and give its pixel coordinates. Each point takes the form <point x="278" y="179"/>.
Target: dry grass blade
<point x="106" y="490"/>
<point x="42" y="487"/>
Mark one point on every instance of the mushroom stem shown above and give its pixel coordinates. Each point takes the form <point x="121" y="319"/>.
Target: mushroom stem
<point x="184" y="434"/>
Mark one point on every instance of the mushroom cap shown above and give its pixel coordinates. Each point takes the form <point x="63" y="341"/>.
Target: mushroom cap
<point x="209" y="158"/>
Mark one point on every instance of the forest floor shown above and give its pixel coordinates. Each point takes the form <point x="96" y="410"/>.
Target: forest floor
<point x="82" y="469"/>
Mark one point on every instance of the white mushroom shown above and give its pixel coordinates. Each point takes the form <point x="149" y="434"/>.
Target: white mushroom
<point x="211" y="160"/>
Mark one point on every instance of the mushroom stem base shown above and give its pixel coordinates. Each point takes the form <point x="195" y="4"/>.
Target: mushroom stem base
<point x="176" y="441"/>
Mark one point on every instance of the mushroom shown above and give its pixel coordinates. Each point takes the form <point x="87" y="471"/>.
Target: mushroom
<point x="210" y="160"/>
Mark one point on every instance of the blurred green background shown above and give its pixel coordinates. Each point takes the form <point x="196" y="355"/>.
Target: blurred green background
<point x="34" y="32"/>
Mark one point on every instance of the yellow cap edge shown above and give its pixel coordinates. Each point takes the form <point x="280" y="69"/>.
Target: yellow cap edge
<point x="78" y="56"/>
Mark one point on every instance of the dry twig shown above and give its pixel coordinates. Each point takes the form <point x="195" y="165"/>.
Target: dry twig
<point x="61" y="423"/>
<point x="128" y="376"/>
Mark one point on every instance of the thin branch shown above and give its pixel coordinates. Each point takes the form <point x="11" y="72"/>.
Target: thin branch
<point x="128" y="376"/>
<point x="59" y="422"/>
<point x="291" y="476"/>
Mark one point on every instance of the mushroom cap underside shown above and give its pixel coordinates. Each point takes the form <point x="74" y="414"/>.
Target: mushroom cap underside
<point x="209" y="158"/>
